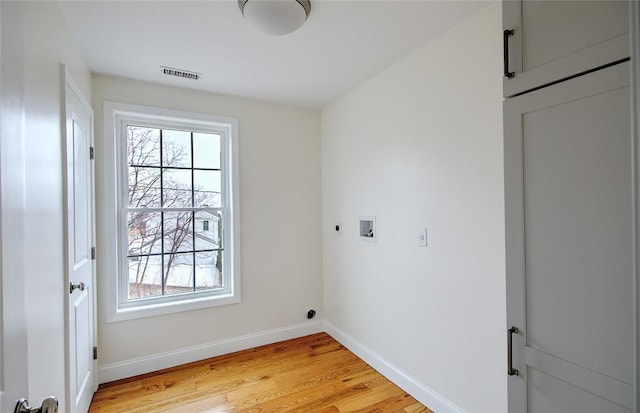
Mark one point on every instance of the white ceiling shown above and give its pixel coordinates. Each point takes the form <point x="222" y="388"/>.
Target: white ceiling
<point x="342" y="44"/>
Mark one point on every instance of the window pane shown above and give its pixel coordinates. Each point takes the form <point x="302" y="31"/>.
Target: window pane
<point x="176" y="188"/>
<point x="143" y="146"/>
<point x="206" y="151"/>
<point x="144" y="187"/>
<point x="178" y="231"/>
<point x="178" y="270"/>
<point x="208" y="230"/>
<point x="145" y="277"/>
<point x="176" y="148"/>
<point x="144" y="233"/>
<point x="207" y="188"/>
<point x="208" y="270"/>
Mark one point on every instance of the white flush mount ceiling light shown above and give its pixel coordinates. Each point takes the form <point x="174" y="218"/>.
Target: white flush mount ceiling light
<point x="276" y="17"/>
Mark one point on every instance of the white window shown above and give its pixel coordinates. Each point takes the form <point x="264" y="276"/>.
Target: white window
<point x="175" y="218"/>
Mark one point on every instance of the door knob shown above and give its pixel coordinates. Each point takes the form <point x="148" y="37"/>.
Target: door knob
<point x="80" y="286"/>
<point x="49" y="405"/>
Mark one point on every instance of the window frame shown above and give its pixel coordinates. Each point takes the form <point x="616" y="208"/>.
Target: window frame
<point x="117" y="116"/>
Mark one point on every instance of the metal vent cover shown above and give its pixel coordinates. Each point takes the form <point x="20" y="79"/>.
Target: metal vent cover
<point x="171" y="71"/>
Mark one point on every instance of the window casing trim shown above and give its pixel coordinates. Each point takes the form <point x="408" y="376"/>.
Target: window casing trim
<point x="122" y="123"/>
<point x="116" y="117"/>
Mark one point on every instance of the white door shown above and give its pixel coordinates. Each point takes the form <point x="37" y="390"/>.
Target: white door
<point x="13" y="321"/>
<point x="569" y="246"/>
<point x="553" y="40"/>
<point x="79" y="234"/>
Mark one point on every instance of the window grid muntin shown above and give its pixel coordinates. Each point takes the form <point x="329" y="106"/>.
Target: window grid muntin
<point x="175" y="167"/>
<point x="162" y="289"/>
<point x="193" y="214"/>
<point x="157" y="254"/>
<point x="224" y="195"/>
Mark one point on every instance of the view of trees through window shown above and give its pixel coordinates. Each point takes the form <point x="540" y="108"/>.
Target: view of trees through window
<point x="174" y="213"/>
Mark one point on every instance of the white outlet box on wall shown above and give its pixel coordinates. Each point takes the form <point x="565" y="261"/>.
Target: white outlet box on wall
<point x="367" y="228"/>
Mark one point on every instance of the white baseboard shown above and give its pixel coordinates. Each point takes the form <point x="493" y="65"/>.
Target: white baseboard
<point x="147" y="364"/>
<point x="419" y="391"/>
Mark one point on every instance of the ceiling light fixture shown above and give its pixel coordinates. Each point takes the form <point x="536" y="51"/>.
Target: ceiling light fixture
<point x="276" y="17"/>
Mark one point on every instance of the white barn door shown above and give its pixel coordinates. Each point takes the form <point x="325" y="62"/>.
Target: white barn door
<point x="569" y="217"/>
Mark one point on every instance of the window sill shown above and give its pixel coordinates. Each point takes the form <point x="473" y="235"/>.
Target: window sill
<point x="170" y="307"/>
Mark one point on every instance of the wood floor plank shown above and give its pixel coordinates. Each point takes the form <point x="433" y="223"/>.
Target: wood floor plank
<point x="368" y="398"/>
<point x="393" y="404"/>
<point x="417" y="408"/>
<point x="312" y="374"/>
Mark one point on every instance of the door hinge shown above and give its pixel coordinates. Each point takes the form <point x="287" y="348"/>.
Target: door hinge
<point x="93" y="253"/>
<point x="95" y="353"/>
<point x="91" y="154"/>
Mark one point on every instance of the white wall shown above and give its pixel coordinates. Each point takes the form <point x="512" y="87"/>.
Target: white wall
<point x="420" y="145"/>
<point x="47" y="45"/>
<point x="280" y="223"/>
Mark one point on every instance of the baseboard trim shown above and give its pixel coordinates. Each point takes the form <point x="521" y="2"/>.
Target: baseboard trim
<point x="422" y="393"/>
<point x="148" y="364"/>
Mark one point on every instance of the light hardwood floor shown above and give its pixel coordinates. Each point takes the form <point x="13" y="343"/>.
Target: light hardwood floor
<point x="313" y="374"/>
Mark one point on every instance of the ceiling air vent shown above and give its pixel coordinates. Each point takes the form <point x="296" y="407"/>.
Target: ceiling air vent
<point x="180" y="73"/>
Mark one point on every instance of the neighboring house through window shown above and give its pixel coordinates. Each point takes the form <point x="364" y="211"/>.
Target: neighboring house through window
<point x="177" y="210"/>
